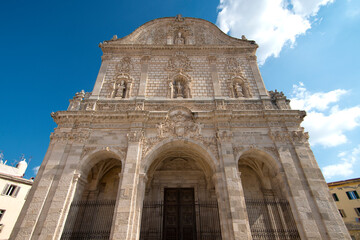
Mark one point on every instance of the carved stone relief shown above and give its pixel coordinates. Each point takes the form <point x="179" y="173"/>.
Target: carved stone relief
<point x="179" y="63"/>
<point x="121" y="86"/>
<point x="70" y="137"/>
<point x="125" y="65"/>
<point x="180" y="123"/>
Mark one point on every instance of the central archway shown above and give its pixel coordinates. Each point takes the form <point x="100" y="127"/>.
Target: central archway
<point x="180" y="199"/>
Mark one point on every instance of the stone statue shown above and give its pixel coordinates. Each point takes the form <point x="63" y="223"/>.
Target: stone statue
<point x="179" y="39"/>
<point x="238" y="90"/>
<point x="179" y="88"/>
<point x="120" y="89"/>
<point x="171" y="89"/>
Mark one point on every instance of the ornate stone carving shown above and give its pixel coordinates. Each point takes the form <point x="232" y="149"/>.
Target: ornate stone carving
<point x="233" y="66"/>
<point x="300" y="136"/>
<point x="279" y="100"/>
<point x="279" y="136"/>
<point x="121" y="86"/>
<point x="179" y="86"/>
<point x="239" y="87"/>
<point x="179" y="63"/>
<point x="125" y="65"/>
<point x="135" y="136"/>
<point x="224" y="135"/>
<point x="179" y="123"/>
<point x="70" y="137"/>
<point x="75" y="102"/>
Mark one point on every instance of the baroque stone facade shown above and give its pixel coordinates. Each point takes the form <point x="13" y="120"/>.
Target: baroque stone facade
<point x="179" y="116"/>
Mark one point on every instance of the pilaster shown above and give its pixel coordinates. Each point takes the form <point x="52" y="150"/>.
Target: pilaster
<point x="328" y="213"/>
<point x="236" y="199"/>
<point x="258" y="79"/>
<point x="125" y="212"/>
<point x="100" y="78"/>
<point x="214" y="76"/>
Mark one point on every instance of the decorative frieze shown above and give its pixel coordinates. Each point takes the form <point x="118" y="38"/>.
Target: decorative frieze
<point x="70" y="137"/>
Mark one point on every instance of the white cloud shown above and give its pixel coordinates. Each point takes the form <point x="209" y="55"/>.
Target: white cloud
<point x="271" y="23"/>
<point x="346" y="166"/>
<point x="326" y="125"/>
<point x="36" y="169"/>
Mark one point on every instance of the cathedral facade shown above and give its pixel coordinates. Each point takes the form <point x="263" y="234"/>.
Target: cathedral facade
<point x="179" y="139"/>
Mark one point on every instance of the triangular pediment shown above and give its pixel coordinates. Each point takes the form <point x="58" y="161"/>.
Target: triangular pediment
<point x="180" y="31"/>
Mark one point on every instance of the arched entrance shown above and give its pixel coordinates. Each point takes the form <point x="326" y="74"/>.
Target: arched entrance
<point x="269" y="212"/>
<point x="91" y="212"/>
<point x="180" y="201"/>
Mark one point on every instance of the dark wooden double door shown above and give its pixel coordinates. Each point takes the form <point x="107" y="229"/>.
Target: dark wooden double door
<point x="179" y="214"/>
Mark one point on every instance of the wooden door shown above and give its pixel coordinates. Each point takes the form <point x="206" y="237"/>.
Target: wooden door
<point x="179" y="214"/>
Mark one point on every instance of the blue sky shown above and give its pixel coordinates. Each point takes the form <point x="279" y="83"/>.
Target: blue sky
<point x="308" y="49"/>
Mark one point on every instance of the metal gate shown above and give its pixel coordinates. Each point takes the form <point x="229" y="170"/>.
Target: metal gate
<point x="271" y="219"/>
<point x="89" y="220"/>
<point x="206" y="214"/>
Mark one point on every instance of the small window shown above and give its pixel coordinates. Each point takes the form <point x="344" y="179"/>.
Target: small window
<point x="352" y="195"/>
<point x="357" y="210"/>
<point x="11" y="190"/>
<point x="342" y="212"/>
<point x="336" y="199"/>
<point x="2" y="212"/>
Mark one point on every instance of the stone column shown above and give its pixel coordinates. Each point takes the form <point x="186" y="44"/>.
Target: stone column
<point x="100" y="78"/>
<point x="143" y="76"/>
<point x="240" y="228"/>
<point x="329" y="216"/>
<point x="124" y="215"/>
<point x="256" y="72"/>
<point x="139" y="205"/>
<point x="214" y="76"/>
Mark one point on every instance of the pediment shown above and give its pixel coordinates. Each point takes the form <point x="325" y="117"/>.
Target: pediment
<point x="179" y="31"/>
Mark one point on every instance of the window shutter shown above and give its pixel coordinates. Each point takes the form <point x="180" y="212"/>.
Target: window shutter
<point x="5" y="189"/>
<point x="16" y="191"/>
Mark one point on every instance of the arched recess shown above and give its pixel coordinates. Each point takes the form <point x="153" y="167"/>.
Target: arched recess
<point x="239" y="87"/>
<point x="179" y="86"/>
<point x="92" y="208"/>
<point x="269" y="212"/>
<point x="180" y="197"/>
<point x="121" y="86"/>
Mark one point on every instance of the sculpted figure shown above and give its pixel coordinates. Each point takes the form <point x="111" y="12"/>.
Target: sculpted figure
<point x="171" y="89"/>
<point x="238" y="90"/>
<point x="179" y="39"/>
<point x="179" y="89"/>
<point x="120" y="89"/>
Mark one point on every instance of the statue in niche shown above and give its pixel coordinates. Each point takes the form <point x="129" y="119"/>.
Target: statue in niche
<point x="179" y="40"/>
<point x="238" y="89"/>
<point x="179" y="93"/>
<point x="171" y="89"/>
<point x="120" y="89"/>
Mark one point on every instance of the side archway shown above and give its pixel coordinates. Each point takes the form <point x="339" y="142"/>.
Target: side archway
<point x="92" y="208"/>
<point x="269" y="212"/>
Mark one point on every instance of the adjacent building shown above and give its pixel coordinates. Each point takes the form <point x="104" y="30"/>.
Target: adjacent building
<point x="179" y="139"/>
<point x="14" y="189"/>
<point x="346" y="196"/>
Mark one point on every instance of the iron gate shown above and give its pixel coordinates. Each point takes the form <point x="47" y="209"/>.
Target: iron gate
<point x="207" y="221"/>
<point x="89" y="220"/>
<point x="271" y="219"/>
